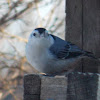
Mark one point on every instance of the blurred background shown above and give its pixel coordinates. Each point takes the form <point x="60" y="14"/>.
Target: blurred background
<point x="17" y="20"/>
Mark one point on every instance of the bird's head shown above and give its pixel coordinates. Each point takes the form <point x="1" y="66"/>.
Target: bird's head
<point x="40" y="36"/>
<point x="39" y="33"/>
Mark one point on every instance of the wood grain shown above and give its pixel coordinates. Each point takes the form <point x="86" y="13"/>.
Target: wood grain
<point x="74" y="24"/>
<point x="82" y="86"/>
<point x="32" y="85"/>
<point x="91" y="33"/>
<point x="83" y="29"/>
<point x="53" y="88"/>
<point x="76" y="86"/>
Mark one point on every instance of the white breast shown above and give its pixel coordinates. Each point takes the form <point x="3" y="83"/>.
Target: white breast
<point x="37" y="53"/>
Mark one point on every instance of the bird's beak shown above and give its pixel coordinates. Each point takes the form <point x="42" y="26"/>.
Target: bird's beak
<point x="43" y="35"/>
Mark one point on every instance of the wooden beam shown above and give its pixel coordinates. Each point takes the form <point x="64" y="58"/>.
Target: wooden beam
<point x="91" y="33"/>
<point x="76" y="86"/>
<point x="82" y="86"/>
<point x="32" y="87"/>
<point x="74" y="24"/>
<point x="83" y="29"/>
<point x="53" y="88"/>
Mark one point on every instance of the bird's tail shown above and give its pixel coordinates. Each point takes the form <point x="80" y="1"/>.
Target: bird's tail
<point x="90" y="54"/>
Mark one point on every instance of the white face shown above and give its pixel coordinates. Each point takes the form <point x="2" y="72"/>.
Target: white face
<point x="38" y="35"/>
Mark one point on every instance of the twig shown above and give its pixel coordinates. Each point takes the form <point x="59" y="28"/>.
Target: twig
<point x="14" y="36"/>
<point x="5" y="18"/>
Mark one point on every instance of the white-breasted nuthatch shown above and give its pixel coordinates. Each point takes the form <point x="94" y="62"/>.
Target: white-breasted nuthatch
<point x="50" y="54"/>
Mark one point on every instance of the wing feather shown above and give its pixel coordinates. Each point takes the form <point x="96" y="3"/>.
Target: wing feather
<point x="64" y="49"/>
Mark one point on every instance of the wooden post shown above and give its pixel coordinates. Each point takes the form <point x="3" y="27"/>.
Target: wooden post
<point x="53" y="88"/>
<point x="32" y="87"/>
<point x="91" y="33"/>
<point x="77" y="86"/>
<point x="83" y="29"/>
<point x="74" y="24"/>
<point x="83" y="86"/>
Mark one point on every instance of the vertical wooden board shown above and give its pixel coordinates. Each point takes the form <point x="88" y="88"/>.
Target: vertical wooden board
<point x="74" y="24"/>
<point x="53" y="88"/>
<point x="91" y="33"/>
<point x="74" y="21"/>
<point x="82" y="86"/>
<point x="32" y="86"/>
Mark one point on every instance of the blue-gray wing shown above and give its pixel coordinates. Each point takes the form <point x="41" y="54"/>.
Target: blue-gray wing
<point x="64" y="49"/>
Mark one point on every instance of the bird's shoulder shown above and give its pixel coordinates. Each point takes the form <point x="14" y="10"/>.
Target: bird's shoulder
<point x="64" y="49"/>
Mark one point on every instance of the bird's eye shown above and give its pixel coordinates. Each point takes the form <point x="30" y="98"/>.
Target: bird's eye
<point x="34" y="34"/>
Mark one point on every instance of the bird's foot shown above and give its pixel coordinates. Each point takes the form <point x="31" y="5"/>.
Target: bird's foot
<point x="47" y="75"/>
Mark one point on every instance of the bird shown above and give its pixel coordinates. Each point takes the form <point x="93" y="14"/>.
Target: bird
<point x="52" y="55"/>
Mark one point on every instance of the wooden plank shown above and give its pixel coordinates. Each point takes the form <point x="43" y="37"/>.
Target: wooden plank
<point x="74" y="24"/>
<point x="82" y="86"/>
<point x="77" y="86"/>
<point x="53" y="88"/>
<point x="91" y="33"/>
<point x="32" y="85"/>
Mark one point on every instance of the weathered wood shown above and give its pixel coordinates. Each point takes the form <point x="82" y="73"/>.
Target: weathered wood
<point x="74" y="24"/>
<point x="83" y="29"/>
<point x="77" y="86"/>
<point x="82" y="86"/>
<point x="91" y="33"/>
<point x="53" y="88"/>
<point x="32" y="85"/>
